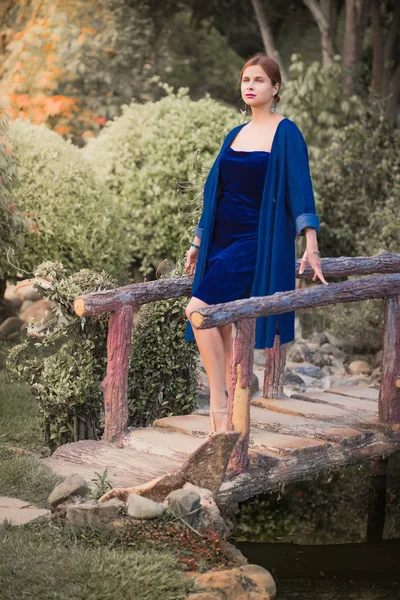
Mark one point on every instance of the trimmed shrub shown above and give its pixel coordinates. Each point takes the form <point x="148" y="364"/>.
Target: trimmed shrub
<point x="78" y="223"/>
<point x="143" y="153"/>
<point x="66" y="383"/>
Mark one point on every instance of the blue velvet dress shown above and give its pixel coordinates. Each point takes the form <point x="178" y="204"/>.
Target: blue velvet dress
<point x="232" y="255"/>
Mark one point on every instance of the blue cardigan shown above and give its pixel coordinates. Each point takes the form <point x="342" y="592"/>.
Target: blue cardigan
<point x="287" y="207"/>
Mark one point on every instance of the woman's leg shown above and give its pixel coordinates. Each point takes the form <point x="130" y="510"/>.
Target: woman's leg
<point x="212" y="353"/>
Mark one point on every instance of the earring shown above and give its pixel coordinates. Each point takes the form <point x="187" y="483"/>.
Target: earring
<point x="273" y="105"/>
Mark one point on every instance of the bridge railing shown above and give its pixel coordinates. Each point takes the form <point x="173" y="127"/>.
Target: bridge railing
<point x="122" y="302"/>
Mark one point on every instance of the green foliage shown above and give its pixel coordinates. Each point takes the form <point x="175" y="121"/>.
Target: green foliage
<point x="78" y="222"/>
<point x="66" y="384"/>
<point x="162" y="371"/>
<point x="13" y="224"/>
<point x="31" y="556"/>
<point x="194" y="54"/>
<point x="314" y="100"/>
<point x="140" y="156"/>
<point x="101" y="485"/>
<point x="358" y="181"/>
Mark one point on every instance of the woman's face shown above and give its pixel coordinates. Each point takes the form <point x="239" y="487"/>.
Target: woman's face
<point x="256" y="87"/>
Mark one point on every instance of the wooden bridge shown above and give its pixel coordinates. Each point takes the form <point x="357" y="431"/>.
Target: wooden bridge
<point x="281" y="439"/>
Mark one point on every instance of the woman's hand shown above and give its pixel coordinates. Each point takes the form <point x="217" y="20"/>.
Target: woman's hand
<point x="191" y="260"/>
<point x="315" y="262"/>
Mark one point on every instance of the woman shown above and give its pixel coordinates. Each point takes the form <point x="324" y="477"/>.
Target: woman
<point x="257" y="197"/>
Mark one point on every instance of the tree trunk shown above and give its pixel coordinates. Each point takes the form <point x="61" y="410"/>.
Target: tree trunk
<point x="325" y="15"/>
<point x="389" y="391"/>
<point x="267" y="37"/>
<point x="356" y="20"/>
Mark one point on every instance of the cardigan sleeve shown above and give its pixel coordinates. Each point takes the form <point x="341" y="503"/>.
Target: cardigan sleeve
<point x="198" y="232"/>
<point x="299" y="189"/>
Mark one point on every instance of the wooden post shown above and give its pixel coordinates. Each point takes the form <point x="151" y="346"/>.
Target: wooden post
<point x="243" y="337"/>
<point x="274" y="374"/>
<point x="377" y="500"/>
<point x="389" y="391"/>
<point x="115" y="384"/>
<point x="389" y="412"/>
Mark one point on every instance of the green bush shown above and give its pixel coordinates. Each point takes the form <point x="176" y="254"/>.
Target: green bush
<point x="79" y="224"/>
<point x="66" y="384"/>
<point x="314" y="100"/>
<point x="13" y="223"/>
<point x="143" y="153"/>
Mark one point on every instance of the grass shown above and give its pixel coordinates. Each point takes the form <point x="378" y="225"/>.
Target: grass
<point x="39" y="561"/>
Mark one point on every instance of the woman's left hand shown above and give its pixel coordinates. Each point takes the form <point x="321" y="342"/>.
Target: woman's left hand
<point x="315" y="263"/>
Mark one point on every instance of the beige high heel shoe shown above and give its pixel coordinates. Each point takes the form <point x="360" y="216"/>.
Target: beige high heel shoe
<point x="212" y="413"/>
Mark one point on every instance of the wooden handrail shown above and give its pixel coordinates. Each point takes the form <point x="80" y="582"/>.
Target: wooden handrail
<point x="135" y="294"/>
<point x="123" y="301"/>
<point x="367" y="288"/>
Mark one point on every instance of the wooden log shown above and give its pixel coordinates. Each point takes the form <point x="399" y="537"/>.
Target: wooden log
<point x="98" y="303"/>
<point x="243" y="336"/>
<point x="377" y="500"/>
<point x="135" y="294"/>
<point x="383" y="286"/>
<point x="115" y="384"/>
<point x="389" y="391"/>
<point x="274" y="374"/>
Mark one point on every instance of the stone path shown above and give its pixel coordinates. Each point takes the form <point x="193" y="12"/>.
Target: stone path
<point x="19" y="512"/>
<point x="291" y="439"/>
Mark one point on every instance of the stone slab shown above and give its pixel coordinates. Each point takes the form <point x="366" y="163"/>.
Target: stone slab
<point x="357" y="391"/>
<point x="19" y="512"/>
<point x="293" y="406"/>
<point x="125" y="466"/>
<point x="348" y="402"/>
<point x="300" y="426"/>
<point x="193" y="424"/>
<point x="284" y="444"/>
<point x="161" y="442"/>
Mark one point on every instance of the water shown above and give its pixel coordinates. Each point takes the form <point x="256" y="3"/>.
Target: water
<point x="311" y="537"/>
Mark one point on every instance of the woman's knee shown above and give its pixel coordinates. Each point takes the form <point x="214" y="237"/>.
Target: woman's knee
<point x="193" y="304"/>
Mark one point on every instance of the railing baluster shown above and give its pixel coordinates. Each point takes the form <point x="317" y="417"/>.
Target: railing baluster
<point x="115" y="383"/>
<point x="274" y="375"/>
<point x="243" y="336"/>
<point x="389" y="391"/>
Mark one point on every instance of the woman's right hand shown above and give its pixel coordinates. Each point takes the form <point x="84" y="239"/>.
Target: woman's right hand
<point x="191" y="260"/>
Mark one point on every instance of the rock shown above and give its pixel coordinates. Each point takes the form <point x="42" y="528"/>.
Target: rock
<point x="254" y="384"/>
<point x="319" y="337"/>
<point x="234" y="553"/>
<point x="143" y="508"/>
<point x="378" y="358"/>
<point x="321" y="359"/>
<point x="10" y="326"/>
<point x="181" y="502"/>
<point x="376" y="374"/>
<point x="19" y="512"/>
<point x="291" y="378"/>
<point x="205" y="467"/>
<point x="28" y="292"/>
<point x="72" y="485"/>
<point x="26" y="304"/>
<point x="42" y="310"/>
<point x="299" y="352"/>
<point x="7" y="309"/>
<point x="337" y="367"/>
<point x="209" y="516"/>
<point x="309" y="371"/>
<point x="259" y="357"/>
<point x="358" y="367"/>
<point x="240" y="583"/>
<point x="331" y="349"/>
<point x="9" y="295"/>
<point x="93" y="513"/>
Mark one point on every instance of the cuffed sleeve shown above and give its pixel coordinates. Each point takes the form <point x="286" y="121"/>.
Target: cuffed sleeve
<point x="299" y="189"/>
<point x="198" y="232"/>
